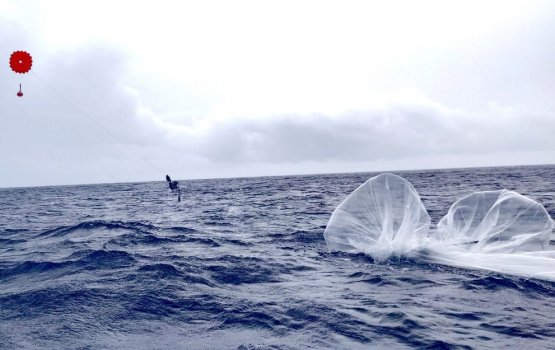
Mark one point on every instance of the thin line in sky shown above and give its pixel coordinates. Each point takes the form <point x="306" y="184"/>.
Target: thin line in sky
<point x="98" y="124"/>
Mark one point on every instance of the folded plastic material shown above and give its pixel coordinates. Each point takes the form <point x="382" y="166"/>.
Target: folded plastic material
<point x="497" y="221"/>
<point x="496" y="230"/>
<point x="382" y="217"/>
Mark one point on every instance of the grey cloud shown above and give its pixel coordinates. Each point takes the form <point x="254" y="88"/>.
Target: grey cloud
<point x="399" y="130"/>
<point x="91" y="81"/>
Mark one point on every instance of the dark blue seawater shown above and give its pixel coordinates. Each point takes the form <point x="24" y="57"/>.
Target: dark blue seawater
<point x="242" y="264"/>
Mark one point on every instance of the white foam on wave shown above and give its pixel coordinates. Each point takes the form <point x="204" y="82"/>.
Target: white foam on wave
<point x="501" y="231"/>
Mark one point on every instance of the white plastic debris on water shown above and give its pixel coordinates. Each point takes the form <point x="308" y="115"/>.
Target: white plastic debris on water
<point x="497" y="221"/>
<point x="501" y="231"/>
<point x="383" y="217"/>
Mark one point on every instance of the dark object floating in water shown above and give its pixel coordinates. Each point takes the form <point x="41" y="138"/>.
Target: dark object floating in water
<point x="174" y="187"/>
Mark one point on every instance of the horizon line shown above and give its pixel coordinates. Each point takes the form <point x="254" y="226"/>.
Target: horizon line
<point x="285" y="175"/>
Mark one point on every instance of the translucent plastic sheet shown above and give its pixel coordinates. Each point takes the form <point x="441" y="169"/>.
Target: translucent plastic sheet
<point x="497" y="221"/>
<point x="382" y="217"/>
<point x="501" y="231"/>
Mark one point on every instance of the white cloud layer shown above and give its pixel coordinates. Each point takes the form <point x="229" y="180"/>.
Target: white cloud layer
<point x="245" y="89"/>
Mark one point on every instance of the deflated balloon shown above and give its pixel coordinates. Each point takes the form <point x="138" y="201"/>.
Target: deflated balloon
<point x="497" y="221"/>
<point x="384" y="216"/>
<point x="500" y="231"/>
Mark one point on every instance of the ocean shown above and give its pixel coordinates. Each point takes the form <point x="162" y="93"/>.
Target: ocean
<point x="243" y="264"/>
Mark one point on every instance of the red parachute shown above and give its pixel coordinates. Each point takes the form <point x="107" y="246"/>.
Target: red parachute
<point x="21" y="62"/>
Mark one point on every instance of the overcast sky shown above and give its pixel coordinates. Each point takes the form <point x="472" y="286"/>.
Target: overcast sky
<point x="131" y="90"/>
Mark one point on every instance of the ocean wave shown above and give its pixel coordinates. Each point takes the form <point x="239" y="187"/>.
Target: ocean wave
<point x="531" y="288"/>
<point x="236" y="270"/>
<point x="85" y="260"/>
<point x="143" y="272"/>
<point x="164" y="271"/>
<point x="32" y="267"/>
<point x="89" y="225"/>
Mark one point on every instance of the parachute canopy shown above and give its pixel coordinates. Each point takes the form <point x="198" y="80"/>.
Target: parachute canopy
<point x="21" y="62"/>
